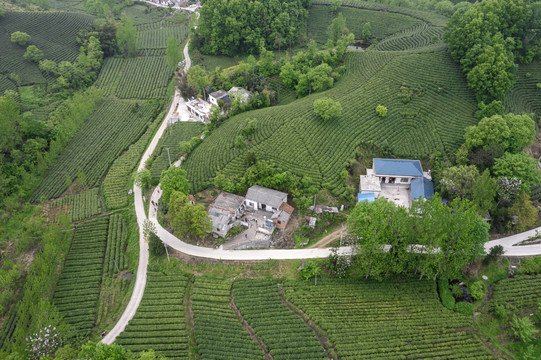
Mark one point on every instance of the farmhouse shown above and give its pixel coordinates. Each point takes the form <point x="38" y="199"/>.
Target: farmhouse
<point x="261" y="198"/>
<point x="265" y="209"/>
<point x="219" y="95"/>
<point x="239" y="93"/>
<point x="224" y="212"/>
<point x="200" y="109"/>
<point x="398" y="180"/>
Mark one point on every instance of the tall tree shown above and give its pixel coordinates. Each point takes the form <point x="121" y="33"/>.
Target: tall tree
<point x="197" y="77"/>
<point x="173" y="179"/>
<point x="337" y="28"/>
<point x="188" y="219"/>
<point x="126" y="36"/>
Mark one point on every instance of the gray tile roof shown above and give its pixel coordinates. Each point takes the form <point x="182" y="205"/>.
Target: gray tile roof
<point x="266" y="196"/>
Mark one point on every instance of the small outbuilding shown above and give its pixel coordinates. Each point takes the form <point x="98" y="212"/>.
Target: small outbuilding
<point x="239" y="93"/>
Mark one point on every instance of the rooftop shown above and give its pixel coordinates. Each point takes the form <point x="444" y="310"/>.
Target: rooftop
<point x="228" y="202"/>
<point x="398" y="167"/>
<point x="266" y="196"/>
<point x="421" y="187"/>
<point x="219" y="94"/>
<point x="370" y="183"/>
<point x="199" y="105"/>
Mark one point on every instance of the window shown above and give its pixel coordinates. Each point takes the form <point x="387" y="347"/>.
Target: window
<point x="404" y="180"/>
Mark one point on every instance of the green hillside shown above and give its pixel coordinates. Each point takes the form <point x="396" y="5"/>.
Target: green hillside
<point x="52" y="32"/>
<point x="434" y="120"/>
<point x="525" y="96"/>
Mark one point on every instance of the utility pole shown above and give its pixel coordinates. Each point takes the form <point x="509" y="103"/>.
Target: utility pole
<point x="131" y="149"/>
<point x="169" y="157"/>
<point x="341" y="230"/>
<point x="117" y="269"/>
<point x="315" y="196"/>
<point x="166" y="251"/>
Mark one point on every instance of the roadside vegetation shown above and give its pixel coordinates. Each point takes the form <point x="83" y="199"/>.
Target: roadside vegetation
<point x="333" y="84"/>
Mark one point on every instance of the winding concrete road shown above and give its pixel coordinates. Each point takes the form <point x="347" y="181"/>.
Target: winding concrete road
<point x="178" y="105"/>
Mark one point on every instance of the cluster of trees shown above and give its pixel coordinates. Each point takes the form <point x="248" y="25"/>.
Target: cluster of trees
<point x="486" y="39"/>
<point x="105" y="31"/>
<point x="82" y="73"/>
<point x="32" y="52"/>
<point x="267" y="174"/>
<point x="431" y="239"/>
<point x="187" y="219"/>
<point x="316" y="70"/>
<point x="28" y="146"/>
<point x="248" y="26"/>
<point x="327" y="109"/>
<point x="493" y="170"/>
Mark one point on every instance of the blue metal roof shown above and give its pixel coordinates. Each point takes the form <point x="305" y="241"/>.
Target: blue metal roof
<point x="398" y="167"/>
<point x="421" y="187"/>
<point x="369" y="197"/>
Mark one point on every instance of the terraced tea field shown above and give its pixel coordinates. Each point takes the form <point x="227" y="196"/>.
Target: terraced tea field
<point x="77" y="292"/>
<point x="52" y="32"/>
<point x="108" y="133"/>
<point x="159" y="323"/>
<point x="433" y="120"/>
<point x="387" y="320"/>
<point x="525" y="96"/>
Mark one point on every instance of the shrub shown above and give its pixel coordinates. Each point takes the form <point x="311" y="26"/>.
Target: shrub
<point x="523" y="329"/>
<point x="457" y="291"/>
<point x="531" y="265"/>
<point x="381" y="111"/>
<point x="501" y="312"/>
<point x="464" y="308"/>
<point x="155" y="245"/>
<point x="446" y="296"/>
<point x="495" y="254"/>
<point x="477" y="290"/>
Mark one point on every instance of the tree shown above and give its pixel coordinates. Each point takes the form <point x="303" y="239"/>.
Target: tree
<point x="173" y="179"/>
<point x="155" y="245"/>
<point x="10" y="121"/>
<point x="20" y="38"/>
<point x="197" y="77"/>
<point x="33" y="54"/>
<point x="188" y="219"/>
<point x="327" y="109"/>
<point x="335" y="4"/>
<point x="460" y="180"/>
<point x="454" y="230"/>
<point x="366" y="32"/>
<point x="126" y="36"/>
<point x="484" y="191"/>
<point x="337" y="28"/>
<point x="48" y="66"/>
<point x="381" y="111"/>
<point x="143" y="179"/>
<point x="526" y="212"/>
<point x="173" y="52"/>
<point x="376" y="225"/>
<point x="520" y="166"/>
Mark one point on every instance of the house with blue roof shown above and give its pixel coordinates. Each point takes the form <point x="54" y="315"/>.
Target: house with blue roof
<point x="399" y="180"/>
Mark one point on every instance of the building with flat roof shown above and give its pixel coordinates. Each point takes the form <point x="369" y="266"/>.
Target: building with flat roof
<point x="219" y="95"/>
<point x="200" y="109"/>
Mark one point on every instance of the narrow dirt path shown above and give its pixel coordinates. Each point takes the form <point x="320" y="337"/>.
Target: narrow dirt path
<point x="329" y="349"/>
<point x="248" y="328"/>
<point x="323" y="243"/>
